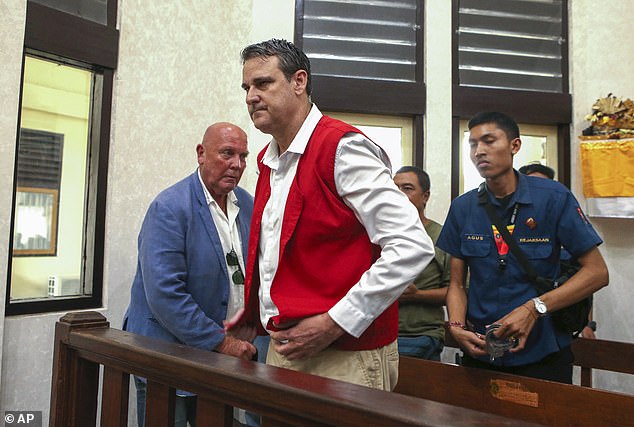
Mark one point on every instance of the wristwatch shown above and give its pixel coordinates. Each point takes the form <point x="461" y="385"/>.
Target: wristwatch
<point x="541" y="308"/>
<point x="592" y="325"/>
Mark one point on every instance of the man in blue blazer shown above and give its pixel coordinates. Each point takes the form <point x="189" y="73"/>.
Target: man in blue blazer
<point x="189" y="276"/>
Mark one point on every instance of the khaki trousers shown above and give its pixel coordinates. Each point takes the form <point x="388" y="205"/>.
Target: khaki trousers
<point x="376" y="368"/>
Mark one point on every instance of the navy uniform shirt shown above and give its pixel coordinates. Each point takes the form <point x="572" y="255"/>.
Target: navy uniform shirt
<point x="548" y="218"/>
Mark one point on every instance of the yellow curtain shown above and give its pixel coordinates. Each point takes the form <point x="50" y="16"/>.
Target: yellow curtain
<point x="608" y="168"/>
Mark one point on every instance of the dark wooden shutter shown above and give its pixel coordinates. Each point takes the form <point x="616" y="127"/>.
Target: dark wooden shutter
<point x="511" y="44"/>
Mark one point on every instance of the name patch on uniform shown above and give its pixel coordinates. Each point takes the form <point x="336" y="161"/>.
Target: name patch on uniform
<point x="474" y="237"/>
<point x="534" y="239"/>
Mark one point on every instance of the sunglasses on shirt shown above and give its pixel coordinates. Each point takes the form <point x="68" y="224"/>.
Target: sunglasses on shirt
<point x="232" y="259"/>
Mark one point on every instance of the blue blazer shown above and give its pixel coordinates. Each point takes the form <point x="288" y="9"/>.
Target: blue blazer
<point x="181" y="287"/>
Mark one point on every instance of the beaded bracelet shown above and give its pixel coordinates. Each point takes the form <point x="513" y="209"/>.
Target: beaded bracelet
<point x="457" y="324"/>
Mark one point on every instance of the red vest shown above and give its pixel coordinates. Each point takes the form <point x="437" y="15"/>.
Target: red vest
<point x="324" y="249"/>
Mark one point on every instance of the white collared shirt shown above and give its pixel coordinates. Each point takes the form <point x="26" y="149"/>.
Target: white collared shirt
<point x="229" y="234"/>
<point x="390" y="219"/>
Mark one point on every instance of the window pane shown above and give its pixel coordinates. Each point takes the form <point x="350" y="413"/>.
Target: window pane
<point x="93" y="10"/>
<point x="51" y="182"/>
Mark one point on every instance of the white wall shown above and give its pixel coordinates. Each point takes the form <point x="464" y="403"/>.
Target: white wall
<point x="601" y="61"/>
<point x="179" y="70"/>
<point x="12" y="14"/>
<point x="438" y="109"/>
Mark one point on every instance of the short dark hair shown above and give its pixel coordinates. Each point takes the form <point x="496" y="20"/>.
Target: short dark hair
<point x="290" y="57"/>
<point x="538" y="168"/>
<point x="501" y="120"/>
<point x="423" y="177"/>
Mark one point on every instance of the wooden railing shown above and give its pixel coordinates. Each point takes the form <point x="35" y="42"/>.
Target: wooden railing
<point x="613" y="356"/>
<point x="84" y="343"/>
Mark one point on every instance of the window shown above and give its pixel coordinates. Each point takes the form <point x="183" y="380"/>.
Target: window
<point x="36" y="201"/>
<point x="40" y="158"/>
<point x="512" y="56"/>
<point x="511" y="44"/>
<point x="365" y="56"/>
<point x="539" y="144"/>
<point x="55" y="108"/>
<point x="56" y="260"/>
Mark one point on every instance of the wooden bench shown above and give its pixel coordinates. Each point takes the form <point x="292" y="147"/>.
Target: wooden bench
<point x="589" y="354"/>
<point x="84" y="344"/>
<point x="529" y="399"/>
<point x="605" y="355"/>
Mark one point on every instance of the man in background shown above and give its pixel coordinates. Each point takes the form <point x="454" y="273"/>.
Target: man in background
<point x="189" y="273"/>
<point x="421" y="318"/>
<point x="537" y="169"/>
<point x="334" y="242"/>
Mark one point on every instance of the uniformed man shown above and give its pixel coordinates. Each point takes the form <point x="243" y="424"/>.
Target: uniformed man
<point x="542" y="216"/>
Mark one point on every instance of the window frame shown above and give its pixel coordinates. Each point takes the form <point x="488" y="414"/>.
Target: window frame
<point x="62" y="37"/>
<point x="541" y="108"/>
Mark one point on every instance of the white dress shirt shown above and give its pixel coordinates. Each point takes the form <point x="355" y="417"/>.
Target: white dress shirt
<point x="229" y="234"/>
<point x="364" y="182"/>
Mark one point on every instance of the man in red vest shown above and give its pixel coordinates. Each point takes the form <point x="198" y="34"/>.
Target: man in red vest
<point x="333" y="241"/>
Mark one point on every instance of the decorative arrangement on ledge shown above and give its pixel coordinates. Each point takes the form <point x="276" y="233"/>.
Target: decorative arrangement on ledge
<point x="607" y="158"/>
<point x="611" y="118"/>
